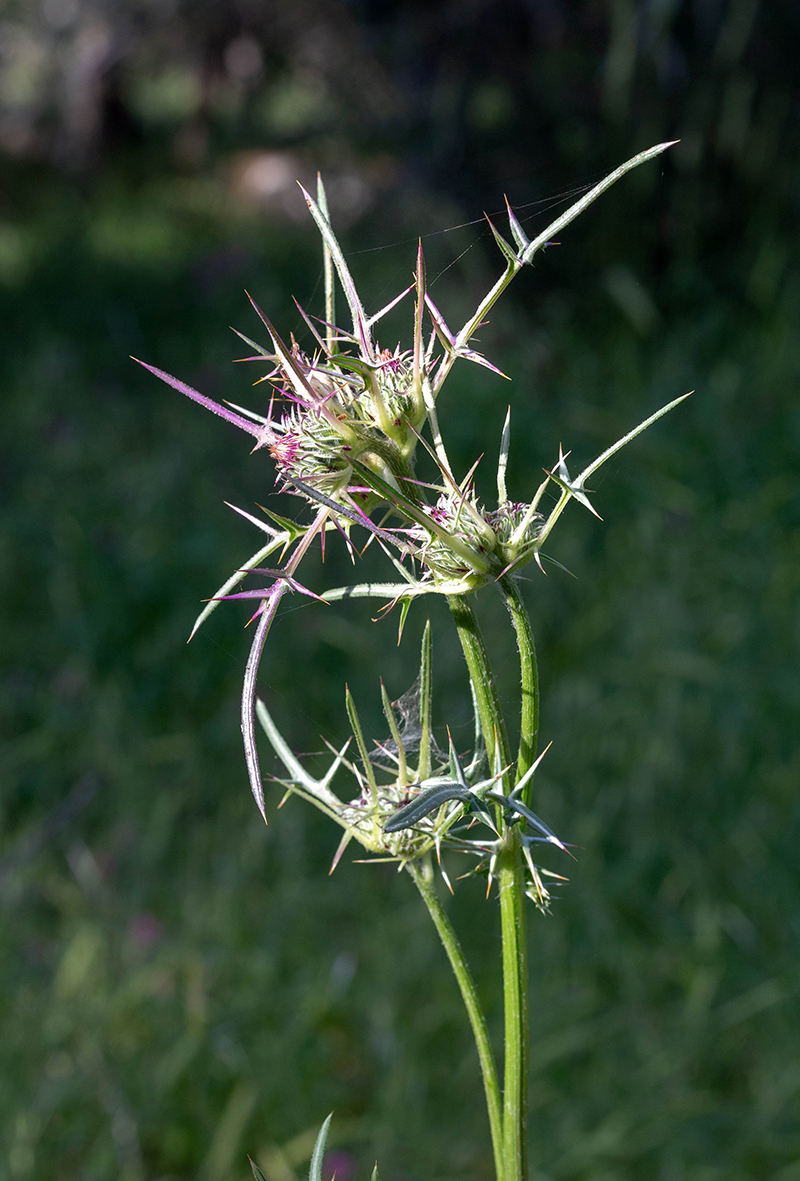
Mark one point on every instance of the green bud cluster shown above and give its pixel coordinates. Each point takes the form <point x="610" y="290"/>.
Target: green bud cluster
<point x="506" y="519"/>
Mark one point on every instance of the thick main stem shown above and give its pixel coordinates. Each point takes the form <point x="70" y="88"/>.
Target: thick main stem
<point x="529" y="676"/>
<point x="511" y="887"/>
<point x="491" y="1086"/>
<point x="511" y="882"/>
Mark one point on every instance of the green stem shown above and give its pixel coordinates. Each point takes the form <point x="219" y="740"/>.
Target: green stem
<point x="422" y="880"/>
<point x="482" y="678"/>
<point x="511" y="882"/>
<point x="529" y="671"/>
<point x="511" y="886"/>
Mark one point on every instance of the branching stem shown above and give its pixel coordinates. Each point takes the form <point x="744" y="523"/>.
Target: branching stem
<point x="529" y="675"/>
<point x="423" y="881"/>
<point x="482" y="678"/>
<point x="510" y="872"/>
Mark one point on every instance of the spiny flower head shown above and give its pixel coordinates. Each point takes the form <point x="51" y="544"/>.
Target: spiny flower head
<point x="349" y="420"/>
<point x="429" y="802"/>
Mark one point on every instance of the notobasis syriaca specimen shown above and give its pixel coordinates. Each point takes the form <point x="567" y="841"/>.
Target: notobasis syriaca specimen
<point x="343" y="420"/>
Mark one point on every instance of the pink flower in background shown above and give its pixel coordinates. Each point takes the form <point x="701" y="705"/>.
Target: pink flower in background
<point x="144" y="930"/>
<point x="338" y="1164"/>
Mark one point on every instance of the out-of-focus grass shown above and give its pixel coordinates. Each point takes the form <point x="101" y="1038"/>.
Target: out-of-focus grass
<point x="182" y="985"/>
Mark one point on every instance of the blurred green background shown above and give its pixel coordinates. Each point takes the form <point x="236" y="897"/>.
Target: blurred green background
<point x="181" y="985"/>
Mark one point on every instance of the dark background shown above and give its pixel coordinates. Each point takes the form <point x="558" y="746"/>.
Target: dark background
<point x="181" y="985"/>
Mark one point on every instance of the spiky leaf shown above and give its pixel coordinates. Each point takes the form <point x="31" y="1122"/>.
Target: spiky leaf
<point x="315" y="1171"/>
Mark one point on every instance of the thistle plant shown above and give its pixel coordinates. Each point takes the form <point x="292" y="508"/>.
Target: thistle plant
<point x="343" y="423"/>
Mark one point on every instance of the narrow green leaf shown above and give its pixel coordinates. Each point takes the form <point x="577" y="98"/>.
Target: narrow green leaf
<point x="259" y="1176"/>
<point x="425" y="703"/>
<point x="394" y="730"/>
<point x="386" y="590"/>
<point x="358" y="734"/>
<point x="502" y="462"/>
<point x="327" y="259"/>
<point x="456" y="770"/>
<point x="254" y="345"/>
<point x="405" y="607"/>
<point x="452" y="757"/>
<point x="519" y="532"/>
<point x="315" y="1171"/>
<point x="419" y="309"/>
<point x="529" y="774"/>
<point x="520" y="237"/>
<point x="360" y="325"/>
<point x="346" y="361"/>
<point x="397" y="498"/>
<point x="426" y="802"/>
<point x="627" y="438"/>
<point x="291" y="527"/>
<point x="508" y="253"/>
<point x="375" y="1176"/>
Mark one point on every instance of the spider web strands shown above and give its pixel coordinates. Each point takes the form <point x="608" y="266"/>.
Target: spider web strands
<point x="394" y="729"/>
<point x="319" y="789"/>
<point x="575" y="210"/>
<point x="515" y="261"/>
<point x="540" y="206"/>
<point x="575" y="488"/>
